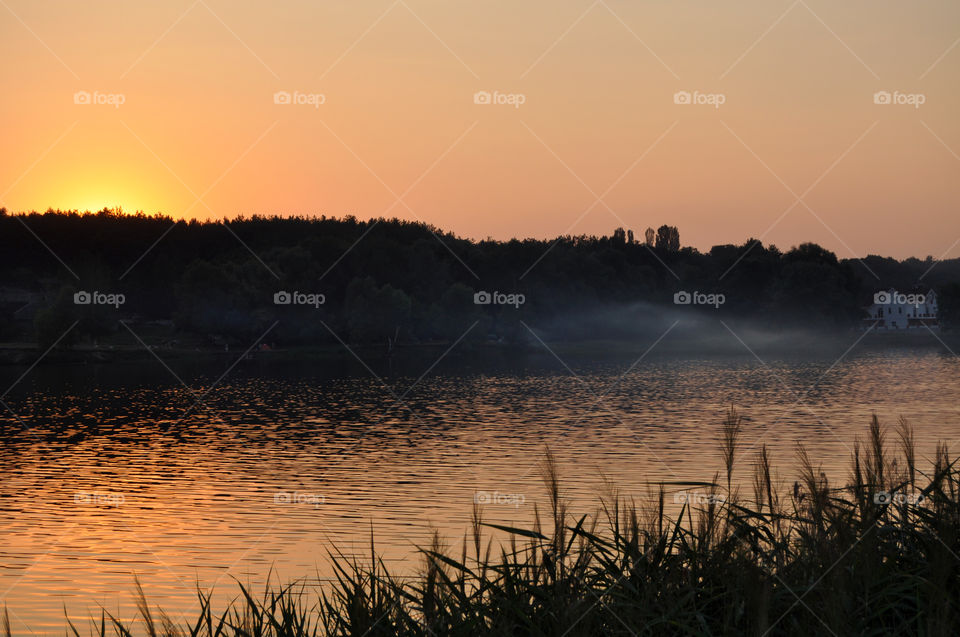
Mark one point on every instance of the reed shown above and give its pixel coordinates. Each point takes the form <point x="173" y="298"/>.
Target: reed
<point x="874" y="557"/>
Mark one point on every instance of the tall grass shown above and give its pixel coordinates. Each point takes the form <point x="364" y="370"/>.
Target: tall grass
<point x="817" y="559"/>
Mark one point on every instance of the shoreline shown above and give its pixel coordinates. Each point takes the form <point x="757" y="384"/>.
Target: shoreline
<point x="24" y="354"/>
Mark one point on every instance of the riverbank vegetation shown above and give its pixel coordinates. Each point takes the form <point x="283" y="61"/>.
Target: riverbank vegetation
<point x="876" y="554"/>
<point x="217" y="283"/>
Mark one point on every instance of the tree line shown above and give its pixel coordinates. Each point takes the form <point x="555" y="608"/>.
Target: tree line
<point x="390" y="280"/>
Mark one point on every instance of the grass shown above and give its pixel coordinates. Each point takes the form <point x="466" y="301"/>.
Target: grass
<point x="814" y="559"/>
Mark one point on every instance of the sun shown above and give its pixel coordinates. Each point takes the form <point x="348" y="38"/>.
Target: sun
<point x="98" y="204"/>
<point x="91" y="192"/>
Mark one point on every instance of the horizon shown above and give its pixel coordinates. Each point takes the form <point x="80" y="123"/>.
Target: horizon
<point x="638" y="232"/>
<point x="792" y="122"/>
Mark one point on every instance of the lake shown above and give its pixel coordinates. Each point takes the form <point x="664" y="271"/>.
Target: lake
<point x="111" y="471"/>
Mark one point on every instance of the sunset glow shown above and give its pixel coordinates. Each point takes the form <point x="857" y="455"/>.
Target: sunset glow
<point x="183" y="118"/>
<point x="425" y="317"/>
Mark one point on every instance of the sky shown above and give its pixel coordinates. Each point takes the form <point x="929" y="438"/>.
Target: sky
<point x="783" y="120"/>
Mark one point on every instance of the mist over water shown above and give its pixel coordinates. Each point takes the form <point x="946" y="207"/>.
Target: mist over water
<point x="704" y="331"/>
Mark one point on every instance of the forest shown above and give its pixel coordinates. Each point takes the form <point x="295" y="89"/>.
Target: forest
<point x="319" y="279"/>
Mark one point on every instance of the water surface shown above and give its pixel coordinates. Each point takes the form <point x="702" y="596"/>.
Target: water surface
<point x="115" y="470"/>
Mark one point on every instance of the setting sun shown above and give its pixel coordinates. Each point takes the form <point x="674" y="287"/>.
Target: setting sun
<point x="177" y="103"/>
<point x="499" y="318"/>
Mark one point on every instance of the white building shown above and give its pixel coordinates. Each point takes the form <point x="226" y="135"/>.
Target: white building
<point x="896" y="311"/>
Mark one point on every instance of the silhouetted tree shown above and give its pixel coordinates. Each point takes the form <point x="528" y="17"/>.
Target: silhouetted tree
<point x="375" y="313"/>
<point x="56" y="323"/>
<point x="668" y="238"/>
<point x="381" y="275"/>
<point x="948" y="302"/>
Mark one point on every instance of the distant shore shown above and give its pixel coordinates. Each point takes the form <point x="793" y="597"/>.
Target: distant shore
<point x="20" y="353"/>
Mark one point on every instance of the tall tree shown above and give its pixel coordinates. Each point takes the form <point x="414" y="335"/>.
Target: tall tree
<point x="668" y="238"/>
<point x="649" y="235"/>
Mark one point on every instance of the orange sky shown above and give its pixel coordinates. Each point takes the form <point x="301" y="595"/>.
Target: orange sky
<point x="199" y="134"/>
